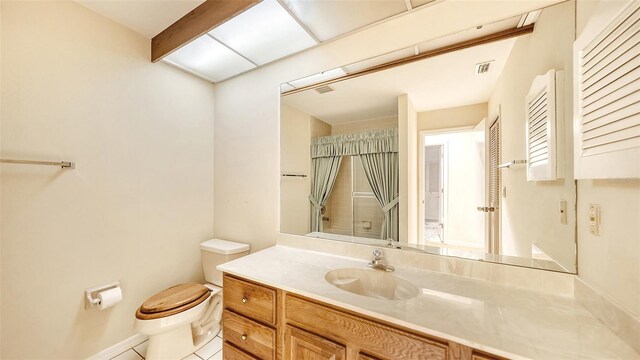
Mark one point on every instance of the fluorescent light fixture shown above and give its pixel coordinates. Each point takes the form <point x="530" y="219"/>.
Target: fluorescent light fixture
<point x="209" y="59"/>
<point x="264" y="33"/>
<point x="284" y="87"/>
<point x="314" y="79"/>
<point x="327" y="19"/>
<point x="529" y="18"/>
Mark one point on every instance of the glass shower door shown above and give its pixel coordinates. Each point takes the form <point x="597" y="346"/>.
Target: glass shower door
<point x="367" y="213"/>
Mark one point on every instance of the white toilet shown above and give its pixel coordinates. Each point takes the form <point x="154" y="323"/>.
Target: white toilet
<point x="182" y="318"/>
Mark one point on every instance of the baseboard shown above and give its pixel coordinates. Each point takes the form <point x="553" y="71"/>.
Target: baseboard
<point x="119" y="348"/>
<point x="616" y="318"/>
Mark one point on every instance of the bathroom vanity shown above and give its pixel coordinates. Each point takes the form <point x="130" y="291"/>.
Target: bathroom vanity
<point x="301" y="328"/>
<point x="279" y="304"/>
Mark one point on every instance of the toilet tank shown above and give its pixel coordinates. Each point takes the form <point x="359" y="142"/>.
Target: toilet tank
<point x="216" y="252"/>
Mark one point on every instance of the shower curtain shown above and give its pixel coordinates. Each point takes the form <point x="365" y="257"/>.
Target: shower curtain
<point x="378" y="150"/>
<point x="382" y="172"/>
<point x="325" y="172"/>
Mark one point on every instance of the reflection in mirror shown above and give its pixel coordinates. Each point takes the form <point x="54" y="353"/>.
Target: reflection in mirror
<point x="460" y="146"/>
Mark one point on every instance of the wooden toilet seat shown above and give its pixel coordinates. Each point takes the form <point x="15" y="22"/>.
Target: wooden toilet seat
<point x="173" y="300"/>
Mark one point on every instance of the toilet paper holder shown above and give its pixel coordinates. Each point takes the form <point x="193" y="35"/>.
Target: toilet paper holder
<point x="91" y="299"/>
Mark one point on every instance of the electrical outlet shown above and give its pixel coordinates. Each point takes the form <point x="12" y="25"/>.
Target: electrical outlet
<point x="594" y="219"/>
<point x="563" y="212"/>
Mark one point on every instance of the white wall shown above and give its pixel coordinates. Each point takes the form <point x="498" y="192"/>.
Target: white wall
<point x="408" y="180"/>
<point x="247" y="110"/>
<point x="460" y="116"/>
<point x="610" y="263"/>
<point x="387" y="122"/>
<point x="76" y="86"/>
<point x="530" y="204"/>
<point x="295" y="158"/>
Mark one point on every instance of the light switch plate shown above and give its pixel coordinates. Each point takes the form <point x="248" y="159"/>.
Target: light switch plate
<point x="563" y="212"/>
<point x="594" y="219"/>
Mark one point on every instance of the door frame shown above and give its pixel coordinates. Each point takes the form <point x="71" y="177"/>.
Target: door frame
<point x="421" y="179"/>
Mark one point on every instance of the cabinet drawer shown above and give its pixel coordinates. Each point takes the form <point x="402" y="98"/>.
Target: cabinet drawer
<point x="230" y="352"/>
<point x="378" y="339"/>
<point x="362" y="356"/>
<point x="249" y="299"/>
<point x="250" y="336"/>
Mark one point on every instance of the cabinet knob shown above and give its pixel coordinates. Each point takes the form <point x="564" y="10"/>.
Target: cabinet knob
<point x="245" y="300"/>
<point x="244" y="337"/>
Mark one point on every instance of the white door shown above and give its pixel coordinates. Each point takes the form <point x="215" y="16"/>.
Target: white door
<point x="433" y="184"/>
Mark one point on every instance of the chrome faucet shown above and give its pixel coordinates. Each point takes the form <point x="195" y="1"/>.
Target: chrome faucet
<point x="378" y="264"/>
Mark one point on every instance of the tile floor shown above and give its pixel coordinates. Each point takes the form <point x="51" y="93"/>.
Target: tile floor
<point x="210" y="351"/>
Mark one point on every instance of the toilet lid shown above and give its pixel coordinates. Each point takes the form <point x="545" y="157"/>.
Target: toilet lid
<point x="174" y="297"/>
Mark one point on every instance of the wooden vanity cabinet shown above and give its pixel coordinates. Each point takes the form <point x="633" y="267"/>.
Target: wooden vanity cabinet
<point x="261" y="322"/>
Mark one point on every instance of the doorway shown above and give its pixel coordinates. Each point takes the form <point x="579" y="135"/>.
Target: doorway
<point x="434" y="192"/>
<point x="452" y="184"/>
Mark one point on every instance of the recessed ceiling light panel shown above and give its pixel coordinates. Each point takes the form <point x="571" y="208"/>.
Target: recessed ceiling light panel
<point x="284" y="87"/>
<point x="316" y="78"/>
<point x="264" y="33"/>
<point x="329" y="19"/>
<point x="209" y="59"/>
<point x="529" y="18"/>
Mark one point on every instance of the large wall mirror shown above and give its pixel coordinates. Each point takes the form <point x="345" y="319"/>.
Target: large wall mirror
<point x="458" y="146"/>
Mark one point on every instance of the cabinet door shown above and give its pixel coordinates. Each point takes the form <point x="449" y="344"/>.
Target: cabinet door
<point x="301" y="345"/>
<point x="606" y="94"/>
<point x="478" y="356"/>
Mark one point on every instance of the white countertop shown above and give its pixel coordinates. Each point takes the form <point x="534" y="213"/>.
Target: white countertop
<point x="499" y="319"/>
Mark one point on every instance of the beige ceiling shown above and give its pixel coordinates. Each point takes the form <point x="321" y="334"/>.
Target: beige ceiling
<point x="435" y="83"/>
<point x="146" y="17"/>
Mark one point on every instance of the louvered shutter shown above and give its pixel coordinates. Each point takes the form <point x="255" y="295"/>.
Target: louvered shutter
<point x="544" y="120"/>
<point x="607" y="93"/>
<point x="494" y="156"/>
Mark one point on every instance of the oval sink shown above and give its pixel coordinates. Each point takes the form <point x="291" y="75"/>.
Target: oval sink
<point x="372" y="283"/>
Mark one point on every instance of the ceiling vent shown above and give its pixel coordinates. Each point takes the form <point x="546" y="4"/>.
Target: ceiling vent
<point x="483" y="67"/>
<point x="324" y="89"/>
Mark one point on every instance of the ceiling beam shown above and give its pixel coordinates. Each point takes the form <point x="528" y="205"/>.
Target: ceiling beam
<point x="500" y="35"/>
<point x="196" y="23"/>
